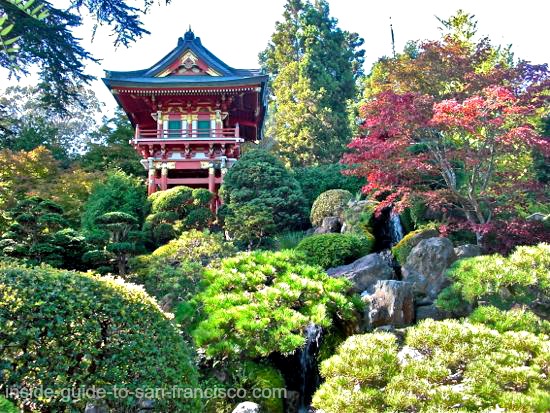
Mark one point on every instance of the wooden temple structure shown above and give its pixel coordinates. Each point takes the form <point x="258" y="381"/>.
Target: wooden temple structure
<point x="191" y="113"/>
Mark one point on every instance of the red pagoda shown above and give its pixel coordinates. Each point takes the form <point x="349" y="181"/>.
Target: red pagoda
<point x="191" y="112"/>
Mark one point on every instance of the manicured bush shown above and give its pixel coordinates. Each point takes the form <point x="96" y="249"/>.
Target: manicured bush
<point x="516" y="319"/>
<point x="443" y="366"/>
<point x="261" y="178"/>
<point x="246" y="375"/>
<point x="315" y="180"/>
<point x="523" y="277"/>
<point x="62" y="329"/>
<point x="329" y="204"/>
<point x="261" y="302"/>
<point x="6" y="406"/>
<point x="403" y="248"/>
<point x="332" y="250"/>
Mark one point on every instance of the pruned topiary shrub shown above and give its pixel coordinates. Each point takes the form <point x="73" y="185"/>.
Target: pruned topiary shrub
<point x="332" y="250"/>
<point x="64" y="330"/>
<point x="261" y="302"/>
<point x="402" y="249"/>
<point x="329" y="204"/>
<point x="521" y="278"/>
<point x="516" y="319"/>
<point x="444" y="366"/>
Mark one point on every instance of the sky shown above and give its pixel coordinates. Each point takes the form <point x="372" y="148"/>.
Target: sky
<point x="237" y="30"/>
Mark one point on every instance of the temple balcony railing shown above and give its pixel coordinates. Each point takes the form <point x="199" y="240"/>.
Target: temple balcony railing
<point x="167" y="135"/>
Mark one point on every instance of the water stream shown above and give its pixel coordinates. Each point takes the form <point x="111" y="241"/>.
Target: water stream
<point x="309" y="371"/>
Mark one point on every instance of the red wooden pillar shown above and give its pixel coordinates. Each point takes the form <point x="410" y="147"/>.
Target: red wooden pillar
<point x="164" y="177"/>
<point x="151" y="186"/>
<point x="212" y="187"/>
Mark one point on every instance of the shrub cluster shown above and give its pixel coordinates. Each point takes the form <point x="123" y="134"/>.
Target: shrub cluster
<point x="444" y="366"/>
<point x="329" y="204"/>
<point x="521" y="278"/>
<point x="516" y="319"/>
<point x="261" y="302"/>
<point x="62" y="329"/>
<point x="332" y="250"/>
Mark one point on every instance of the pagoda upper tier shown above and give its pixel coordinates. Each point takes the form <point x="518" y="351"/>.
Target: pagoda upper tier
<point x="190" y="80"/>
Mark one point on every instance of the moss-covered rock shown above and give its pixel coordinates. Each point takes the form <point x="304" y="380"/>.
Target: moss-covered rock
<point x="402" y="249"/>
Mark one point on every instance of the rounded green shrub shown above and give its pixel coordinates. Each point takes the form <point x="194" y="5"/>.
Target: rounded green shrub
<point x="63" y="330"/>
<point x="6" y="406"/>
<point x="175" y="199"/>
<point x="329" y="204"/>
<point x="332" y="250"/>
<point x="442" y="366"/>
<point x="261" y="302"/>
<point x="403" y="248"/>
<point x="521" y="278"/>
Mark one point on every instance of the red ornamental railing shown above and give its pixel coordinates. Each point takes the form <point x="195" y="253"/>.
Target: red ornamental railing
<point x="187" y="133"/>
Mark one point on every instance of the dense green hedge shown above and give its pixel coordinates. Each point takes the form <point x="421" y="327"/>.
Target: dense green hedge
<point x="521" y="278"/>
<point x="62" y="329"/>
<point x="261" y="302"/>
<point x="328" y="204"/>
<point x="332" y="250"/>
<point x="446" y="366"/>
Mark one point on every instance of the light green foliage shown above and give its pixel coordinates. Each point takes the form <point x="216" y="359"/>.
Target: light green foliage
<point x="79" y="329"/>
<point x="119" y="192"/>
<point x="330" y="203"/>
<point x="523" y="277"/>
<point x="261" y="302"/>
<point x="176" y="210"/>
<point x="6" y="406"/>
<point x="516" y="319"/>
<point x="261" y="182"/>
<point x="313" y="64"/>
<point x="332" y="250"/>
<point x="247" y="375"/>
<point x="315" y="180"/>
<point x="446" y="366"/>
<point x="402" y="249"/>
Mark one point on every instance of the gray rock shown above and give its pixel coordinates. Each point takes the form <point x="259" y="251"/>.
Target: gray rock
<point x="408" y="354"/>
<point x="431" y="311"/>
<point x="330" y="224"/>
<point x="364" y="272"/>
<point x="247" y="407"/>
<point x="467" y="251"/>
<point x="537" y="216"/>
<point x="426" y="264"/>
<point x="96" y="407"/>
<point x="391" y="302"/>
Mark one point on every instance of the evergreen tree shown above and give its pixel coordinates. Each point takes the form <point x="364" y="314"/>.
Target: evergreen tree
<point x="313" y="65"/>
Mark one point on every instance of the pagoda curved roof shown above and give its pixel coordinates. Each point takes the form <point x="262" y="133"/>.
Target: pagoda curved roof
<point x="225" y="74"/>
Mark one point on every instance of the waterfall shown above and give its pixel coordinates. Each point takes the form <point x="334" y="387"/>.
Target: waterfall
<point x="309" y="372"/>
<point x="395" y="228"/>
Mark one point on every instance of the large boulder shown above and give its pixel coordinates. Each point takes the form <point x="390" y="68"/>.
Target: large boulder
<point x="390" y="302"/>
<point x="247" y="407"/>
<point x="426" y="264"/>
<point x="431" y="311"/>
<point x="364" y="272"/>
<point x="467" y="251"/>
<point x="329" y="225"/>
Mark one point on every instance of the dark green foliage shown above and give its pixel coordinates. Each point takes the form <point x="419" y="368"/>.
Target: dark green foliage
<point x="261" y="302"/>
<point x="289" y="240"/>
<point x="246" y="375"/>
<point x="78" y="329"/>
<point x="261" y="181"/>
<point x="332" y="250"/>
<point x="523" y="277"/>
<point x="109" y="148"/>
<point x="251" y="224"/>
<point x="516" y="319"/>
<point x="119" y="192"/>
<point x="315" y="180"/>
<point x="446" y="366"/>
<point x="330" y="203"/>
<point x="39" y="234"/>
<point x="175" y="210"/>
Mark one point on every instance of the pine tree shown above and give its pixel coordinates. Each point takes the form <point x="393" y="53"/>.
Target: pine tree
<point x="313" y="66"/>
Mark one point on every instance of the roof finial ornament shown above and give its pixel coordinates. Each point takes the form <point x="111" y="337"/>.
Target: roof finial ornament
<point x="189" y="35"/>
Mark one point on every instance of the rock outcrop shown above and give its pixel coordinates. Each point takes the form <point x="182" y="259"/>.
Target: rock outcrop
<point x="467" y="251"/>
<point x="247" y="407"/>
<point x="364" y="272"/>
<point x="389" y="302"/>
<point x="426" y="264"/>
